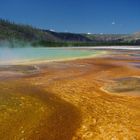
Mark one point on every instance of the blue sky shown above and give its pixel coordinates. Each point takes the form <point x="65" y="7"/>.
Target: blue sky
<point x="94" y="16"/>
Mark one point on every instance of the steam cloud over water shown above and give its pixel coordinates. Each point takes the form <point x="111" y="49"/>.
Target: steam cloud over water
<point x="7" y="56"/>
<point x="28" y="54"/>
<point x="17" y="53"/>
<point x="8" y="53"/>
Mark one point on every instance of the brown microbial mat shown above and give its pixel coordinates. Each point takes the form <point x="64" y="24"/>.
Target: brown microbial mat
<point x="72" y="100"/>
<point x="125" y="85"/>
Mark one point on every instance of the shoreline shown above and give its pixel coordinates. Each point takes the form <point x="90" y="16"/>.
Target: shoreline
<point x="33" y="62"/>
<point x="107" y="47"/>
<point x="105" y="51"/>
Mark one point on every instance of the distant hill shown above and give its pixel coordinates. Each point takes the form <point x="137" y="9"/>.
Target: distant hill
<point x="12" y="32"/>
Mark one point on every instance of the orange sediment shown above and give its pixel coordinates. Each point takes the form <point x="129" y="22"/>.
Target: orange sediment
<point x="73" y="100"/>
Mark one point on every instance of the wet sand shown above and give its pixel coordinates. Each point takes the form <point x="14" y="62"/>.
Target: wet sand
<point x="90" y="99"/>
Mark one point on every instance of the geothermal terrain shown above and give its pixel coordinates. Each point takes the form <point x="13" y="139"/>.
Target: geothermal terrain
<point x="94" y="98"/>
<point x="85" y="99"/>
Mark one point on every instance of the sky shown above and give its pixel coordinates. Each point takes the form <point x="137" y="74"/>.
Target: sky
<point x="78" y="16"/>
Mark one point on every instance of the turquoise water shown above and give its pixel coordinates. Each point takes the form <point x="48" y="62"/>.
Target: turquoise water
<point x="8" y="55"/>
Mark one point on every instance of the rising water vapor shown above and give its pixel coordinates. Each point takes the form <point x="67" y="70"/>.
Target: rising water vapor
<point x="7" y="55"/>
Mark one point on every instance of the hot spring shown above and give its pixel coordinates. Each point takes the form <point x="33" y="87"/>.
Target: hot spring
<point x="30" y="54"/>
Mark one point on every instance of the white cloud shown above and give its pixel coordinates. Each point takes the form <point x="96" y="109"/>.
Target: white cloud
<point x="52" y="30"/>
<point x="113" y="23"/>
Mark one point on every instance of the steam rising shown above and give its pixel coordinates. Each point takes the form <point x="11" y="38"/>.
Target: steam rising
<point x="8" y="53"/>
